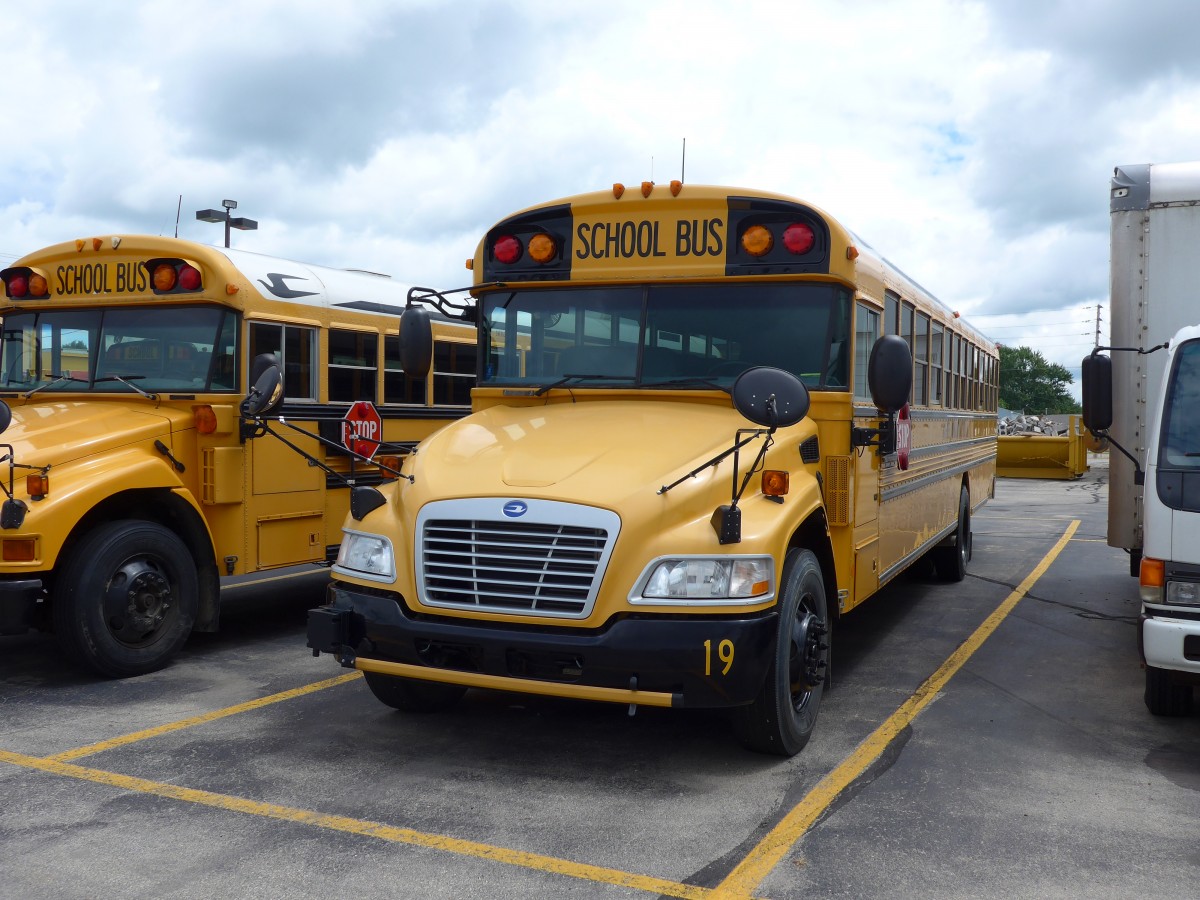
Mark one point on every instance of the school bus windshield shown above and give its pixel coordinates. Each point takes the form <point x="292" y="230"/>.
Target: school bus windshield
<point x="167" y="348"/>
<point x="651" y="334"/>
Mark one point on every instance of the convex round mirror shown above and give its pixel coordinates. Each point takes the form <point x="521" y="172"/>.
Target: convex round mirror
<point x="267" y="392"/>
<point x="770" y="397"/>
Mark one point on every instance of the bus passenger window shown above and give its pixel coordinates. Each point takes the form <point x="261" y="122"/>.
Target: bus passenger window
<point x="453" y="373"/>
<point x="866" y="333"/>
<point x="921" y="360"/>
<point x="295" y="347"/>
<point x="353" y="365"/>
<point x="398" y="387"/>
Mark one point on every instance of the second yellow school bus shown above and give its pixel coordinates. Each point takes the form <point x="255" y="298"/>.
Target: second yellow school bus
<point x="133" y="487"/>
<point x="708" y="423"/>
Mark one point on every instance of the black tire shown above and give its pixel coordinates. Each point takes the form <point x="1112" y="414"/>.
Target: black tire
<point x="950" y="561"/>
<point x="410" y="695"/>
<point x="125" y="599"/>
<point x="1163" y="696"/>
<point x="781" y="719"/>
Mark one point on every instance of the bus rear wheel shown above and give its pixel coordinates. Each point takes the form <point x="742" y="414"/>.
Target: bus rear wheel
<point x="782" y="718"/>
<point x="126" y="598"/>
<point x="950" y="561"/>
<point x="410" y="695"/>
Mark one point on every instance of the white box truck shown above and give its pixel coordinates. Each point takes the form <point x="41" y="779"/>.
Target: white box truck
<point x="1148" y="404"/>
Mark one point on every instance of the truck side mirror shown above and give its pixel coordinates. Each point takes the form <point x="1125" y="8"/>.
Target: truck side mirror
<point x="889" y="373"/>
<point x="1097" y="376"/>
<point x="416" y="342"/>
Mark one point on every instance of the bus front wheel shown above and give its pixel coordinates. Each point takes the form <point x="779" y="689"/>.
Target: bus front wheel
<point x="126" y="598"/>
<point x="781" y="719"/>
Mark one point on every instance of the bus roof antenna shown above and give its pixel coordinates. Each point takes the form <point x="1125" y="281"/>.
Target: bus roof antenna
<point x="683" y="162"/>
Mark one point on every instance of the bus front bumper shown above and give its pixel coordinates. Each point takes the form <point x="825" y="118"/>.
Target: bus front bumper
<point x="696" y="661"/>
<point x="18" y="603"/>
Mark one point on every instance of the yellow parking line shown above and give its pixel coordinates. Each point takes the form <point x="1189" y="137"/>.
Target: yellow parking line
<point x="202" y="718"/>
<point x="659" y="886"/>
<point x="759" y="863"/>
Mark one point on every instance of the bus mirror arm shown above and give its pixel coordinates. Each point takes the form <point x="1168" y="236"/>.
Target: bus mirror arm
<point x="363" y="498"/>
<point x="454" y="309"/>
<point x="727" y="518"/>
<point x="882" y="438"/>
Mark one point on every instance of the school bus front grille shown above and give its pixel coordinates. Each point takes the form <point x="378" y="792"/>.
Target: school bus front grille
<point x="517" y="567"/>
<point x="837" y="489"/>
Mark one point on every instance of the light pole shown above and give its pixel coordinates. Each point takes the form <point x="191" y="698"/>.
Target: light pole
<point x="215" y="215"/>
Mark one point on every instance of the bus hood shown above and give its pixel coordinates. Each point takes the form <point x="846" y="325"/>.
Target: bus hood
<point x="53" y="433"/>
<point x="592" y="451"/>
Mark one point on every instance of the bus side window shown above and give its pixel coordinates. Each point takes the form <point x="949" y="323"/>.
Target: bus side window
<point x="296" y="349"/>
<point x="866" y="333"/>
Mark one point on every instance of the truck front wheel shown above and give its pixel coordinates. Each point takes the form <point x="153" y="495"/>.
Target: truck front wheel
<point x="125" y="599"/>
<point x="1163" y="696"/>
<point x="781" y="719"/>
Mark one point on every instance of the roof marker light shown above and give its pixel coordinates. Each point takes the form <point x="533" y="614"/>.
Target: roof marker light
<point x="97" y="243"/>
<point x="79" y="243"/>
<point x="647" y="187"/>
<point x="676" y="187"/>
<point x="618" y="190"/>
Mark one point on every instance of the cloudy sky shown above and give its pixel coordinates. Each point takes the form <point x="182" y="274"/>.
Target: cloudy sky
<point x="969" y="141"/>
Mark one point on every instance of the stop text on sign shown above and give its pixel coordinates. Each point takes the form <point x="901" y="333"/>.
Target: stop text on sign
<point x="362" y="429"/>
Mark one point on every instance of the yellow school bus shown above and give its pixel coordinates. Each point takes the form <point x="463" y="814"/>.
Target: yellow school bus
<point x="134" y="488"/>
<point x="708" y="423"/>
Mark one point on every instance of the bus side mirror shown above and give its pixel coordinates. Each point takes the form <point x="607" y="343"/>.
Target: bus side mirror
<point x="772" y="398"/>
<point x="1097" y="393"/>
<point x="5" y="416"/>
<point x="889" y="373"/>
<point x="416" y="342"/>
<point x="266" y="394"/>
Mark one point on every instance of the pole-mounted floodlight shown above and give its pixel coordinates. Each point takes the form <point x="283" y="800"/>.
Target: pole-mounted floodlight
<point x="216" y="215"/>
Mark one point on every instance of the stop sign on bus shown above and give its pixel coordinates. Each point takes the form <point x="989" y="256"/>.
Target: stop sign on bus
<point x="362" y="429"/>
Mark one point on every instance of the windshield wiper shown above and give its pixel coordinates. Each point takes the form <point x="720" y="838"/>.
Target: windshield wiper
<point x="569" y="378"/>
<point x="126" y="380"/>
<point x="686" y="382"/>
<point x="57" y="379"/>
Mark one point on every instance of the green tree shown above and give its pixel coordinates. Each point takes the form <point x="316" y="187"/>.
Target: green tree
<point x="1031" y="383"/>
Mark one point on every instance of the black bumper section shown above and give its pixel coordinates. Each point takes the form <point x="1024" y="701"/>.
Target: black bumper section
<point x="705" y="661"/>
<point x="18" y="601"/>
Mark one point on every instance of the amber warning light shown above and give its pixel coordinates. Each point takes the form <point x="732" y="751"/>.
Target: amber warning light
<point x="23" y="283"/>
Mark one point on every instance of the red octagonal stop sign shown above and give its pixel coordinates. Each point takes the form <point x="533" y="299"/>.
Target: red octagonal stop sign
<point x="362" y="429"/>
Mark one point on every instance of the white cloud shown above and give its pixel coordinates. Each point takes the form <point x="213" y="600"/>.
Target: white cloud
<point x="971" y="142"/>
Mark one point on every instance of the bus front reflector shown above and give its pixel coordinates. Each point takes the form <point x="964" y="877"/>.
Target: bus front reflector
<point x="19" y="550"/>
<point x="205" y="419"/>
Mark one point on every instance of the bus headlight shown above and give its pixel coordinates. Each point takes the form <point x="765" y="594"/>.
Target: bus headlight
<point x="368" y="555"/>
<point x="714" y="580"/>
